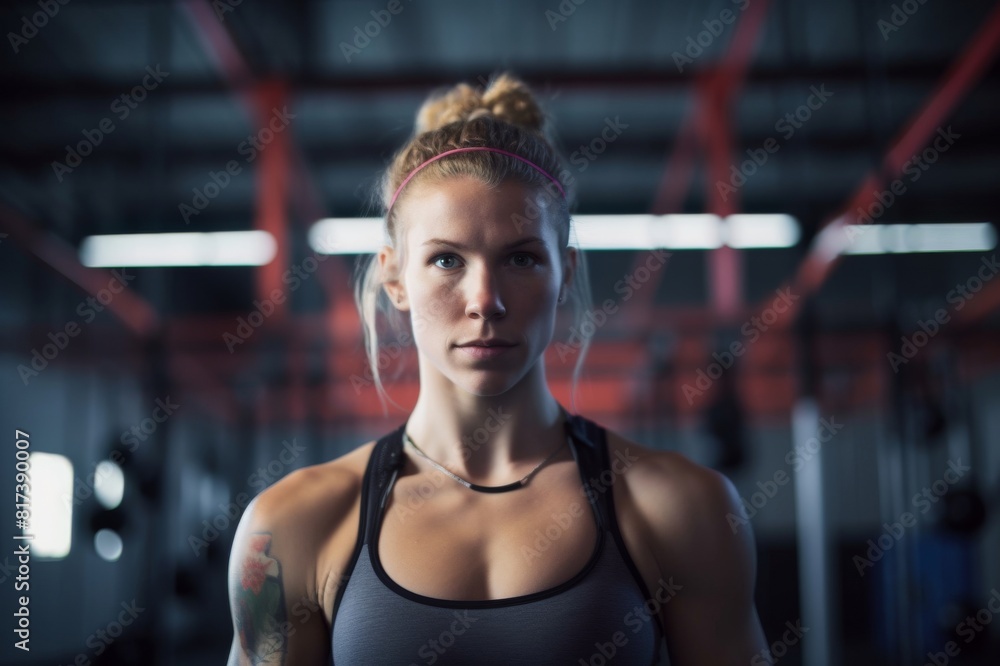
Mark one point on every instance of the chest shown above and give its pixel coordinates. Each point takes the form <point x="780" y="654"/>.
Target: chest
<point x="440" y="540"/>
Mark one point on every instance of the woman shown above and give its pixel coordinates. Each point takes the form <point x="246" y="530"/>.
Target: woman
<point x="493" y="526"/>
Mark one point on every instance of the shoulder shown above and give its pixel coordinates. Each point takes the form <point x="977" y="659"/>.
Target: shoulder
<point x="690" y="513"/>
<point x="314" y="496"/>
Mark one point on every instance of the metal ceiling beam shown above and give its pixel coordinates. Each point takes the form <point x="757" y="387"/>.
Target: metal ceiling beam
<point x="419" y="82"/>
<point x="952" y="88"/>
<point x="290" y="168"/>
<point x="707" y="121"/>
<point x="139" y="317"/>
<point x="132" y="310"/>
<point x="271" y="201"/>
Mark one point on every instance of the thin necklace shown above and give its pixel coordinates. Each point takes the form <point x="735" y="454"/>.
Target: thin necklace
<point x="485" y="489"/>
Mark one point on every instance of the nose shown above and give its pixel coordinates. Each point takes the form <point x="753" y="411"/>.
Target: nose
<point x="484" y="299"/>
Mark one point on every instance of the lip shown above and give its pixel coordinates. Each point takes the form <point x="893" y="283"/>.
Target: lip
<point x="489" y="342"/>
<point x="484" y="352"/>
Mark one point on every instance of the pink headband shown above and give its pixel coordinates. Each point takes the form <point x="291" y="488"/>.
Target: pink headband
<point x="467" y="150"/>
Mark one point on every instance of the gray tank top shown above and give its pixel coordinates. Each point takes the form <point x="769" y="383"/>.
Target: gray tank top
<point x="604" y="614"/>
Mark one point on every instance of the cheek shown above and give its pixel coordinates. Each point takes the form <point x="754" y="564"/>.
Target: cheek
<point x="431" y="304"/>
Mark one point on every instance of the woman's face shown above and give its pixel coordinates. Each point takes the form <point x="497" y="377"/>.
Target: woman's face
<point x="478" y="265"/>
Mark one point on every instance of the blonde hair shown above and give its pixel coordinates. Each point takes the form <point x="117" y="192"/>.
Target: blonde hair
<point x="505" y="116"/>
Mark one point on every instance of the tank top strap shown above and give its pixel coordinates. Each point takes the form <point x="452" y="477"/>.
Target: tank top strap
<point x="590" y="449"/>
<point x="590" y="444"/>
<point x="600" y="476"/>
<point x="383" y="466"/>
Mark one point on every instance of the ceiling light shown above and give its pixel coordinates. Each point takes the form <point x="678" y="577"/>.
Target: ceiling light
<point x="218" y="248"/>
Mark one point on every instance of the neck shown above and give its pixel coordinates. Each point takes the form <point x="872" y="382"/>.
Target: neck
<point x="489" y="440"/>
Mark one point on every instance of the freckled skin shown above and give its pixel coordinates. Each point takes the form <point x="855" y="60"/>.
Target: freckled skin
<point x="451" y="294"/>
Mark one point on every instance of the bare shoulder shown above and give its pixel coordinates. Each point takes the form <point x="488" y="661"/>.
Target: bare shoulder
<point x="276" y="571"/>
<point x="316" y="496"/>
<point x="690" y="519"/>
<point x="687" y="508"/>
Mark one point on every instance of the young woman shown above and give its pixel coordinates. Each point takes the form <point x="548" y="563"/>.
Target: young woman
<point x="493" y="526"/>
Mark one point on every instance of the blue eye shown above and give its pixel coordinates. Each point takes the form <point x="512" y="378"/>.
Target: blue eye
<point x="440" y="257"/>
<point x="529" y="256"/>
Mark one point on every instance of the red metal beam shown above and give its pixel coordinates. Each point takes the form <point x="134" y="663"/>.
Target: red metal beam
<point x="333" y="275"/>
<point x="131" y="309"/>
<point x="138" y="316"/>
<point x="957" y="81"/>
<point x="272" y="185"/>
<point x="707" y="120"/>
<point x="706" y="124"/>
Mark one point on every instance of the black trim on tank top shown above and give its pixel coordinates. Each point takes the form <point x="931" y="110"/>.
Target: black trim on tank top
<point x="375" y="459"/>
<point x="596" y="553"/>
<point x="385" y="460"/>
<point x="605" y="461"/>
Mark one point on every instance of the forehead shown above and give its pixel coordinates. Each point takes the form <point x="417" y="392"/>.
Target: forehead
<point x="467" y="210"/>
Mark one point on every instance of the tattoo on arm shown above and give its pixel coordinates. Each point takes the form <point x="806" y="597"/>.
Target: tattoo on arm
<point x="260" y="606"/>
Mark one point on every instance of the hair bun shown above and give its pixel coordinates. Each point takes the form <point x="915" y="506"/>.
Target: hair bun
<point x="506" y="98"/>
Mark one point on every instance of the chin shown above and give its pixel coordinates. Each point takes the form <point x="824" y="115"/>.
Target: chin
<point x="488" y="387"/>
<point x="484" y="382"/>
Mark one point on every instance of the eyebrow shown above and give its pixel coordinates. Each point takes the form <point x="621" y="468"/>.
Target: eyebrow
<point x="459" y="246"/>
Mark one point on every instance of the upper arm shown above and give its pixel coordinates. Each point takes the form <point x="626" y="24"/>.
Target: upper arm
<point x="257" y="599"/>
<point x="273" y="597"/>
<point x="712" y="618"/>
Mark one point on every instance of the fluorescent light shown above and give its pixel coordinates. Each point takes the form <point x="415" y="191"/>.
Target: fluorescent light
<point x="692" y="232"/>
<point x="615" y="232"/>
<point x="910" y="238"/>
<point x="218" y="248"/>
<point x="954" y="237"/>
<point x="51" y="519"/>
<point x="353" y="235"/>
<point x="757" y="231"/>
<point x="347" y="235"/>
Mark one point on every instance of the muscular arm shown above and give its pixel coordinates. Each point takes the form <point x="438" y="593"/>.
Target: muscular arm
<point x="277" y="617"/>
<point x="712" y="619"/>
<point x="258" y="604"/>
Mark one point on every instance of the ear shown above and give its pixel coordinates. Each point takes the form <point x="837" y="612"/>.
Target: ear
<point x="569" y="268"/>
<point x="388" y="261"/>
